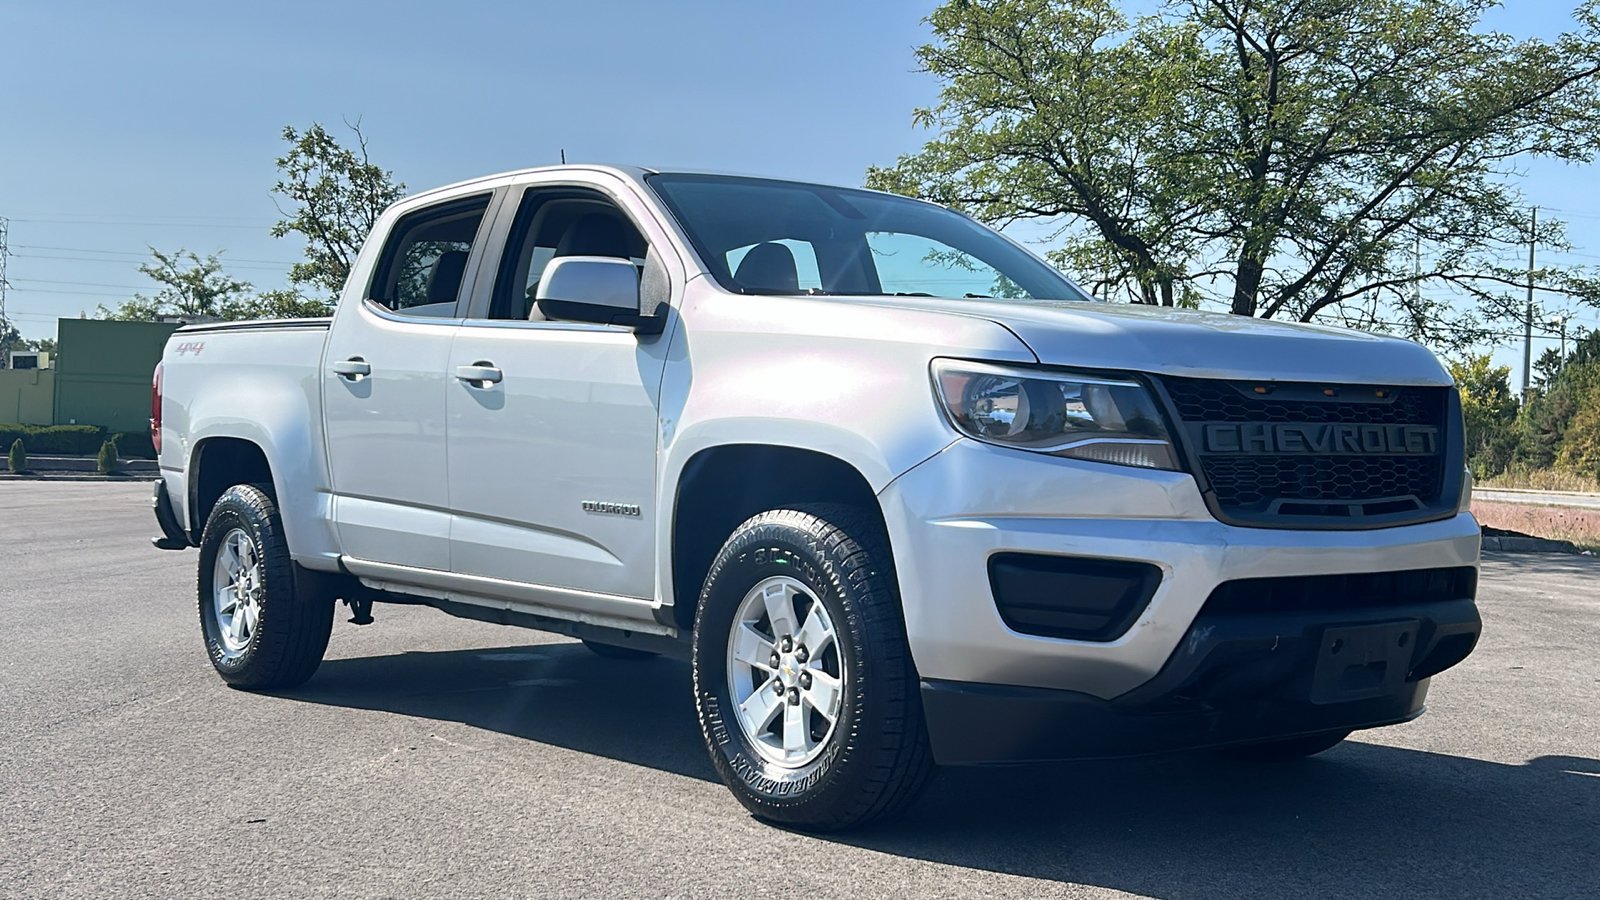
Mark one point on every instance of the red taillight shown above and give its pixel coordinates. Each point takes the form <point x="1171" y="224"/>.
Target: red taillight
<point x="155" y="409"/>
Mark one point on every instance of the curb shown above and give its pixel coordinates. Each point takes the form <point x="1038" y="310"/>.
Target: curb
<point x="1528" y="545"/>
<point x="87" y="465"/>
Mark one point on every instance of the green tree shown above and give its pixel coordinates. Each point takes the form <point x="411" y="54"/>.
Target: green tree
<point x="281" y="304"/>
<point x="43" y="345"/>
<point x="1580" y="442"/>
<point x="1561" y="411"/>
<point x="17" y="458"/>
<point x="10" y="339"/>
<point x="195" y="287"/>
<point x="1280" y="158"/>
<point x="1546" y="366"/>
<point x="1490" y="413"/>
<point x="189" y="286"/>
<point x="335" y="194"/>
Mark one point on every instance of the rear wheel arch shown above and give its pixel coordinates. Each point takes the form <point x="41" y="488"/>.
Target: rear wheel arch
<point x="219" y="463"/>
<point x="721" y="487"/>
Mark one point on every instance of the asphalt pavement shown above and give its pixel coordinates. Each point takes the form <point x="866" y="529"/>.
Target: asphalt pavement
<point x="434" y="757"/>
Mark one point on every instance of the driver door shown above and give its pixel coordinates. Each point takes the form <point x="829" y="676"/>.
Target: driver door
<point x="552" y="467"/>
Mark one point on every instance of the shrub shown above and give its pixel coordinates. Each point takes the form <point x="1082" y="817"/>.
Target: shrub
<point x="106" y="463"/>
<point x="77" y="440"/>
<point x="17" y="459"/>
<point x="134" y="444"/>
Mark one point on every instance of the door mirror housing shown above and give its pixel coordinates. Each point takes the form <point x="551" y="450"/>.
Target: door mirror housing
<point x="600" y="289"/>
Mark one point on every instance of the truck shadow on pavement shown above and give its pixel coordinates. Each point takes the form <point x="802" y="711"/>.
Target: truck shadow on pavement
<point x="1360" y="820"/>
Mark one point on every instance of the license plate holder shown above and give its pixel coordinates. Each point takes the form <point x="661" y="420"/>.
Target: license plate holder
<point x="1360" y="662"/>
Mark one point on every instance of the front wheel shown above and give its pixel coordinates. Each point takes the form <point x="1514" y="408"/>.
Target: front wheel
<point x="804" y="686"/>
<point x="262" y="630"/>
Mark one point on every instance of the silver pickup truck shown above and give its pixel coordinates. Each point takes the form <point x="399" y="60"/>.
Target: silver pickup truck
<point x="900" y="492"/>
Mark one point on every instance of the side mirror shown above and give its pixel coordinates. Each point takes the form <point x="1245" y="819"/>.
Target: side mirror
<point x="600" y="289"/>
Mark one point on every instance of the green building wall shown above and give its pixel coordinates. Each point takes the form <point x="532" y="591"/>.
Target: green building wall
<point x="27" y="396"/>
<point x="103" y="371"/>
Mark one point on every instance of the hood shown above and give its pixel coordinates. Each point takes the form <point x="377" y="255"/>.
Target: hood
<point x="1199" y="344"/>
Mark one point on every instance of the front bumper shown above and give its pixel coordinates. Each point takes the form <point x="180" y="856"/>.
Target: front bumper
<point x="949" y="515"/>
<point x="1235" y="680"/>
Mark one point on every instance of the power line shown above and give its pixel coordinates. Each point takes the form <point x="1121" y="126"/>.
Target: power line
<point x="36" y="216"/>
<point x="144" y="255"/>
<point x="229" y="264"/>
<point x="143" y="224"/>
<point x="131" y="287"/>
<point x="78" y="293"/>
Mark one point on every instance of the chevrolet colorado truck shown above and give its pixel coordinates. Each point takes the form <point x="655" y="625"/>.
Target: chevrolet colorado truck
<point x="900" y="492"/>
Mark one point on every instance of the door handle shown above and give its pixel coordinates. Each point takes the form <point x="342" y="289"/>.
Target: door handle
<point x="479" y="374"/>
<point x="352" y="369"/>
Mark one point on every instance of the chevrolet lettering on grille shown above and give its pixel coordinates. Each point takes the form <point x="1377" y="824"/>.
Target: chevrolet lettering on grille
<point x="1322" y="439"/>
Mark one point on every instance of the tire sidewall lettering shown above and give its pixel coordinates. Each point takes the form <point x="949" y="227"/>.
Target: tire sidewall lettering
<point x="765" y="555"/>
<point x="228" y="514"/>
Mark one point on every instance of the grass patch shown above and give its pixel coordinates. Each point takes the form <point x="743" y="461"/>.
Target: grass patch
<point x="1542" y="480"/>
<point x="1557" y="523"/>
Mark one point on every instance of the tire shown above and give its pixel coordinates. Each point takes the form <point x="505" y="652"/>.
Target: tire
<point x="612" y="651"/>
<point x="800" y="769"/>
<point x="276" y="637"/>
<point x="1285" y="751"/>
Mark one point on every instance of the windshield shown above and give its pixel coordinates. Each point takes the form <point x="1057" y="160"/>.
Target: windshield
<point x="779" y="237"/>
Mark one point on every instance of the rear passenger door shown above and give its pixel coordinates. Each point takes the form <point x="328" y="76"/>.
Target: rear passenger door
<point x="553" y="465"/>
<point x="384" y="384"/>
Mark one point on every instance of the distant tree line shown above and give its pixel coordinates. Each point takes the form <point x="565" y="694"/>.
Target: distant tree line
<point x="1555" y="427"/>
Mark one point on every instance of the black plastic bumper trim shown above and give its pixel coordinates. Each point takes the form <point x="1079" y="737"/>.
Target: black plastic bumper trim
<point x="172" y="536"/>
<point x="1234" y="680"/>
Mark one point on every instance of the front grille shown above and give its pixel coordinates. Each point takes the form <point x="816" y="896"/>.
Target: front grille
<point x="1198" y="400"/>
<point x="1305" y="476"/>
<point x="1321" y="593"/>
<point x="1253" y="482"/>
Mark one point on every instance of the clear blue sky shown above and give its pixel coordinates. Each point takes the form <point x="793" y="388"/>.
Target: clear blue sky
<point x="168" y="114"/>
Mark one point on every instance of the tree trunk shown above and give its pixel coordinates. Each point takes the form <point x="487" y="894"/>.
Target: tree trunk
<point x="1247" y="285"/>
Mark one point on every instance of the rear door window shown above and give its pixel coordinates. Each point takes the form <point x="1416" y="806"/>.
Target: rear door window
<point x="424" y="263"/>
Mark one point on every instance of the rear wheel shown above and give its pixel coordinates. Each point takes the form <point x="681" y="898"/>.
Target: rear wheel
<point x="1284" y="751"/>
<point x="805" y="690"/>
<point x="261" y="628"/>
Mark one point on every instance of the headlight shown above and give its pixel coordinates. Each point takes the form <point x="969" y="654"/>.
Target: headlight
<point x="1109" y="420"/>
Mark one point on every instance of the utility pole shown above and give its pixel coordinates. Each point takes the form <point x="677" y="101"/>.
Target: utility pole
<point x="5" y="323"/>
<point x="1416" y="272"/>
<point x="1527" y="320"/>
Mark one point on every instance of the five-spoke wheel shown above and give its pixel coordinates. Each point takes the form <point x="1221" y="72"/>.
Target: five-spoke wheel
<point x="265" y="626"/>
<point x="236" y="592"/>
<point x="804" y="686"/>
<point x="785" y="672"/>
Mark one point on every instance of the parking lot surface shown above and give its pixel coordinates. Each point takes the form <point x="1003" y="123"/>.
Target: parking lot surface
<point x="434" y="757"/>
